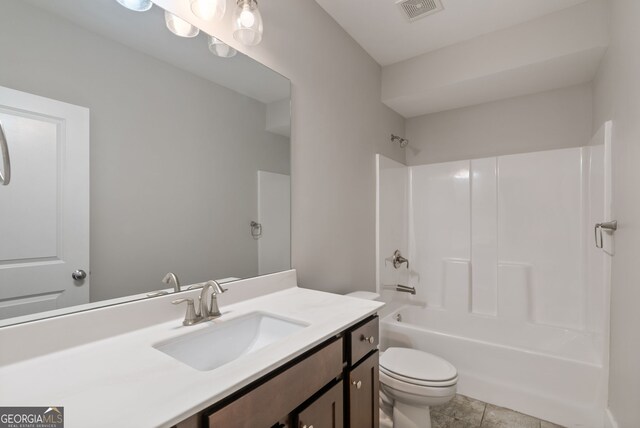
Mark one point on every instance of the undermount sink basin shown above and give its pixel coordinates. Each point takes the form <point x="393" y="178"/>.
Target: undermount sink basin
<point x="212" y="347"/>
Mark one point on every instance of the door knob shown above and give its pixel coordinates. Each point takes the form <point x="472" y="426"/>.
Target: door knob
<point x="79" y="275"/>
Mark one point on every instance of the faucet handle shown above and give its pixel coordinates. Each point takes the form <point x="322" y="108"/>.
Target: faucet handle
<point x="214" y="310"/>
<point x="398" y="260"/>
<point x="191" y="317"/>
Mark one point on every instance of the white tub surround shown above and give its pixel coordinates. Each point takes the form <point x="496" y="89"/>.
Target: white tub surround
<point x="510" y="287"/>
<point x="109" y="367"/>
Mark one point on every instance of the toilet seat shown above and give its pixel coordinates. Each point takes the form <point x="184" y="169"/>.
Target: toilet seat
<point x="419" y="382"/>
<point x="417" y="368"/>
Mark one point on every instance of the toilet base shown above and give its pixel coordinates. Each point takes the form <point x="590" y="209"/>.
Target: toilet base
<point x="408" y="416"/>
<point x="386" y="411"/>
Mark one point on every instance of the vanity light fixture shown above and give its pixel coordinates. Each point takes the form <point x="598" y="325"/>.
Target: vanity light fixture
<point x="179" y="26"/>
<point x="247" y="23"/>
<point x="137" y="5"/>
<point x="220" y="48"/>
<point x="209" y="10"/>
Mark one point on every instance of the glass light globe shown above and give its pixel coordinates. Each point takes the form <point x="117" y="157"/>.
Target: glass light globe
<point x="247" y="23"/>
<point x="137" y="5"/>
<point x="209" y="10"/>
<point x="179" y="26"/>
<point x="220" y="48"/>
<point x="247" y="19"/>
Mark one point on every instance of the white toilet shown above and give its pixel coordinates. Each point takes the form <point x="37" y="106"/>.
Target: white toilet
<point x="412" y="381"/>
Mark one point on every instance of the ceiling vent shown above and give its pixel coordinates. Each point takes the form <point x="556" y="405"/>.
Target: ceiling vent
<point x="416" y="9"/>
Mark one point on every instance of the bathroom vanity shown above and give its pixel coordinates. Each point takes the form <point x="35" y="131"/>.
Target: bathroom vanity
<point x="278" y="356"/>
<point x="333" y="385"/>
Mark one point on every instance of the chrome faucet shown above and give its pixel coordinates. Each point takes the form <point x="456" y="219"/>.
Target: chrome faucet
<point x="211" y="310"/>
<point x="168" y="279"/>
<point x="172" y="278"/>
<point x="405" y="289"/>
<point x="206" y="311"/>
<point x="401" y="288"/>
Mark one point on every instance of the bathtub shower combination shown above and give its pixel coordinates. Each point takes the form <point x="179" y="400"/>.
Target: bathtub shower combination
<point x="510" y="287"/>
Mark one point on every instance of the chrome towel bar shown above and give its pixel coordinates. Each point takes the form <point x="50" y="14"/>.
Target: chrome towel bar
<point x="611" y="226"/>
<point x="5" y="174"/>
<point x="256" y="229"/>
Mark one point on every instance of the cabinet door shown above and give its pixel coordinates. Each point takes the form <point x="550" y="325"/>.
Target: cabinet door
<point x="364" y="392"/>
<point x="192" y="422"/>
<point x="267" y="403"/>
<point x="325" y="412"/>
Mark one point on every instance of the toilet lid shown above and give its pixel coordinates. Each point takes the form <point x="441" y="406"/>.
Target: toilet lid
<point x="416" y="366"/>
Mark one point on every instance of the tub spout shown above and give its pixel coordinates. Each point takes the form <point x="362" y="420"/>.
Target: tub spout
<point x="404" y="289"/>
<point x="401" y="288"/>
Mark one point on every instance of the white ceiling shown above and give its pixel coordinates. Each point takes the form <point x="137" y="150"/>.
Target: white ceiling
<point x="146" y="32"/>
<point x="557" y="50"/>
<point x="381" y="29"/>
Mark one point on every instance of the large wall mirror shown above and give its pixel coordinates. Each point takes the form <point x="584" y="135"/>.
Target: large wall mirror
<point x="133" y="153"/>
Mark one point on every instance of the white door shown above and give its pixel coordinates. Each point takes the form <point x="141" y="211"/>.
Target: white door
<point x="44" y="210"/>
<point x="274" y="214"/>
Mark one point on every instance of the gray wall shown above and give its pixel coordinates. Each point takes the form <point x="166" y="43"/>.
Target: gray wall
<point x="548" y="120"/>
<point x="617" y="97"/>
<point x="339" y="124"/>
<point x="173" y="157"/>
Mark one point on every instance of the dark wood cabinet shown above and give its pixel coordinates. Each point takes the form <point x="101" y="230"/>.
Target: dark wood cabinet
<point x="335" y="385"/>
<point x="327" y="411"/>
<point x="267" y="403"/>
<point x="193" y="422"/>
<point x="364" y="391"/>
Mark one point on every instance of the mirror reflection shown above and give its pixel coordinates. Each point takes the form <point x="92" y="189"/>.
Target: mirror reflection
<point x="133" y="153"/>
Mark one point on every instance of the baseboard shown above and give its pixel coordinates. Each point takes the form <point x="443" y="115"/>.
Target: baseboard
<point x="609" y="420"/>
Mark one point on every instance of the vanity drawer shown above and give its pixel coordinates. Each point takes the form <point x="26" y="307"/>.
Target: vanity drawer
<point x="266" y="404"/>
<point x="362" y="340"/>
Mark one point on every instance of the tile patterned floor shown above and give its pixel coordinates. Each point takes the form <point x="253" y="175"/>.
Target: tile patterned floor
<point x="465" y="412"/>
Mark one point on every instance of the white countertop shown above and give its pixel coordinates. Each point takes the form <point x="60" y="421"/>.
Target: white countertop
<point x="123" y="381"/>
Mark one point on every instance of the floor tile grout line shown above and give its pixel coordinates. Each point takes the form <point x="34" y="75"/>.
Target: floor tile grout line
<point x="483" y="412"/>
<point x="469" y="424"/>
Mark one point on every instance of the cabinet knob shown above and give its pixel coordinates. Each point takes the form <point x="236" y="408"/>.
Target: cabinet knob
<point x="357" y="384"/>
<point x="369" y="339"/>
<point x="307" y="426"/>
